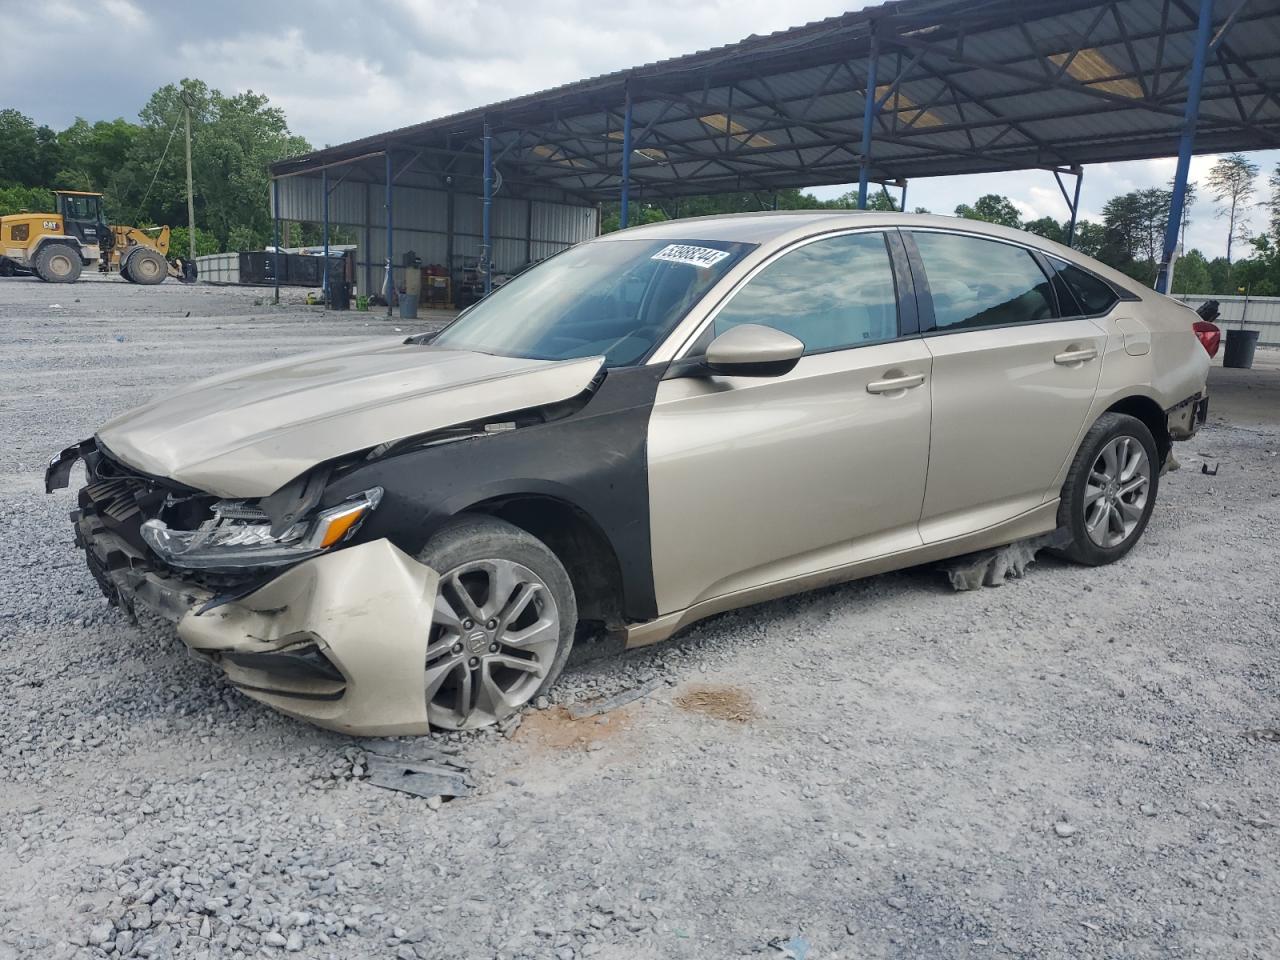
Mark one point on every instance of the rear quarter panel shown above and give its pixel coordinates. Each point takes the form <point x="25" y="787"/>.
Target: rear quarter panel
<point x="1174" y="367"/>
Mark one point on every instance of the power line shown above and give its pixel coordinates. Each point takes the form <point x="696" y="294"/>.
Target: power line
<point x="143" y="202"/>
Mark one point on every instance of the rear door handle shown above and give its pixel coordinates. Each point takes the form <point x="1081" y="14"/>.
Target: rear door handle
<point x="1068" y="357"/>
<point x="894" y="384"/>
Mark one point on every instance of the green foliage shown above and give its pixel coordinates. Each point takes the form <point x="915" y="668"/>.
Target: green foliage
<point x="1089" y="238"/>
<point x="1048" y="228"/>
<point x="992" y="208"/>
<point x="32" y="199"/>
<point x="1232" y="183"/>
<point x="234" y="139"/>
<point x="206" y="243"/>
<point x="1191" y="274"/>
<point x="28" y="154"/>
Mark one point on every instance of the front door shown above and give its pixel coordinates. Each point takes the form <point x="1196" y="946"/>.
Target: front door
<point x="1013" y="380"/>
<point x="758" y="480"/>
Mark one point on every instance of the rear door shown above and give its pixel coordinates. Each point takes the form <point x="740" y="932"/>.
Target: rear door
<point x="1014" y="376"/>
<point x="756" y="480"/>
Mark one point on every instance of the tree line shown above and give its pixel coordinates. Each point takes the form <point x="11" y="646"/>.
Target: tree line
<point x="140" y="168"/>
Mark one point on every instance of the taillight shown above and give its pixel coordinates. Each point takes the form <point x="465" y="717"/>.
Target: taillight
<point x="1209" y="335"/>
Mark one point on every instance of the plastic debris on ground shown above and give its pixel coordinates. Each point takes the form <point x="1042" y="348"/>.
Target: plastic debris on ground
<point x="416" y="768"/>
<point x="580" y="711"/>
<point x="796" y="948"/>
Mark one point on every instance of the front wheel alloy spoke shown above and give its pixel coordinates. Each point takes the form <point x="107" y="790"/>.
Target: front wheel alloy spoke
<point x="494" y="637"/>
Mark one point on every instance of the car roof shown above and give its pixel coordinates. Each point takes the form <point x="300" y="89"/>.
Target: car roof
<point x="775" y="228"/>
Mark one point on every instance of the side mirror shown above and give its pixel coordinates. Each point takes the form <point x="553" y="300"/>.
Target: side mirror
<point x="752" y="350"/>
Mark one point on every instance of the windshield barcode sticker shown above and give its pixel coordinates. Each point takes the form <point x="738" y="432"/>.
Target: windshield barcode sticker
<point x="694" y="256"/>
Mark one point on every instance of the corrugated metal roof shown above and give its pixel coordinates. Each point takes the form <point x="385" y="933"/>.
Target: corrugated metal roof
<point x="968" y="86"/>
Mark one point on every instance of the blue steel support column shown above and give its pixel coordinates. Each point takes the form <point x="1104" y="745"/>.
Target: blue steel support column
<point x="324" y="286"/>
<point x="275" y="215"/>
<point x="624" y="216"/>
<point x="389" y="285"/>
<point x="1075" y="207"/>
<point x="868" y="120"/>
<point x="486" y="242"/>
<point x="1185" y="145"/>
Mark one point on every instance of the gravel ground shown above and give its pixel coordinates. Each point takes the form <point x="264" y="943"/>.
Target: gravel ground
<point x="1055" y="768"/>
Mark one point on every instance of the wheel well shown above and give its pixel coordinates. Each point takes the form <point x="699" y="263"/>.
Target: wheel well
<point x="580" y="545"/>
<point x="49" y="239"/>
<point x="1150" y="413"/>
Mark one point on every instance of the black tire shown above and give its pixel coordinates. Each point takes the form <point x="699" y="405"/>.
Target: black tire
<point x="475" y="538"/>
<point x="124" y="271"/>
<point x="1080" y="494"/>
<point x="58" y="263"/>
<point x="146" y="266"/>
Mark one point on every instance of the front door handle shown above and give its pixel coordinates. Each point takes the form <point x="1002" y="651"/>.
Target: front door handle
<point x="1080" y="355"/>
<point x="894" y="384"/>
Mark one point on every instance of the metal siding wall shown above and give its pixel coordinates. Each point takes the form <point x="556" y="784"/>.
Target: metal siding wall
<point x="219" y="267"/>
<point x="302" y="198"/>
<point x="550" y="225"/>
<point x="1262" y="315"/>
<point x="562" y="223"/>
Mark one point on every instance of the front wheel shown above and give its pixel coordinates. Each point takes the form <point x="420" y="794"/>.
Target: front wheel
<point x="505" y="616"/>
<point x="146" y="266"/>
<point x="1110" y="490"/>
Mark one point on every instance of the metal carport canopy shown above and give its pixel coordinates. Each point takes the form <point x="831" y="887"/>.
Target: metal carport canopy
<point x="960" y="86"/>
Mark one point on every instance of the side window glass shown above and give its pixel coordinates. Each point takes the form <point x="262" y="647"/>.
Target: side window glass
<point x="1094" y="295"/>
<point x="983" y="283"/>
<point x="829" y="294"/>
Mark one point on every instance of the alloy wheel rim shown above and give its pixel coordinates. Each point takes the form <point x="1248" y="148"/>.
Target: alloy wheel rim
<point x="1115" y="496"/>
<point x="493" y="638"/>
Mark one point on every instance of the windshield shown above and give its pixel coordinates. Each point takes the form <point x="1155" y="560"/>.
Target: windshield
<point x="616" y="299"/>
<point x="82" y="208"/>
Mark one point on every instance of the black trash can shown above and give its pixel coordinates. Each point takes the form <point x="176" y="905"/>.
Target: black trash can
<point x="339" y="295"/>
<point x="1241" y="345"/>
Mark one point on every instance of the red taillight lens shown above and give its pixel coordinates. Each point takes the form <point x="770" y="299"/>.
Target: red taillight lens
<point x="1209" y="334"/>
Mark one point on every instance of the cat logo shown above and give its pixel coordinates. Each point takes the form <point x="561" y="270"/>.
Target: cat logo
<point x="51" y="225"/>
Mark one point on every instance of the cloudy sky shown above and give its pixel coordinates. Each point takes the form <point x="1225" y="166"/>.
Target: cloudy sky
<point x="342" y="70"/>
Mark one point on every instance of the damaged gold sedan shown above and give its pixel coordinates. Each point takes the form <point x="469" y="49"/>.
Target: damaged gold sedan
<point x="644" y="430"/>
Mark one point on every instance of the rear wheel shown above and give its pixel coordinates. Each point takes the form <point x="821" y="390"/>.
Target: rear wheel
<point x="1110" y="490"/>
<point x="58" y="263"/>
<point x="146" y="266"/>
<point x="504" y="622"/>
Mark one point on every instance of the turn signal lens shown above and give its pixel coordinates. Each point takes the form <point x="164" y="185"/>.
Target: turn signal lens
<point x="337" y="527"/>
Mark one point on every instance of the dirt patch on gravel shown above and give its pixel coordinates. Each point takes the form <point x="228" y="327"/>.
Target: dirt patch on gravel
<point x="555" y="729"/>
<point x="720" y="703"/>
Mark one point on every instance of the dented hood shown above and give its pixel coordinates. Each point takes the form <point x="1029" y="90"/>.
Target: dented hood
<point x="249" y="432"/>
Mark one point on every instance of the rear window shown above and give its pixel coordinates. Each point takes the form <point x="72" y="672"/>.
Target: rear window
<point x="1091" y="294"/>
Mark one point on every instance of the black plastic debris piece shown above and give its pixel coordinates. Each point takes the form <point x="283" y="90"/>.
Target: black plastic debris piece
<point x="418" y="778"/>
<point x="1204" y="468"/>
<point x="422" y="749"/>
<point x="580" y="711"/>
<point x="1267" y="734"/>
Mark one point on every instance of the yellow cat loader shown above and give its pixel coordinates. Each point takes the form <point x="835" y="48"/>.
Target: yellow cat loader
<point x="56" y="247"/>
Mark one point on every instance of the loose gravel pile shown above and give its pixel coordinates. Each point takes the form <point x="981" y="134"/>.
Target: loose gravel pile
<point x="1055" y="768"/>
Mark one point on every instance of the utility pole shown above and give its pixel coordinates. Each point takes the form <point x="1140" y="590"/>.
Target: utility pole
<point x="191" y="203"/>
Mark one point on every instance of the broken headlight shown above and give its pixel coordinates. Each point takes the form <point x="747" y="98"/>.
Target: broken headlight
<point x="239" y="535"/>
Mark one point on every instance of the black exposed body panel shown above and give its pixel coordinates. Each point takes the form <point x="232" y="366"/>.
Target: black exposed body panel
<point x="593" y="460"/>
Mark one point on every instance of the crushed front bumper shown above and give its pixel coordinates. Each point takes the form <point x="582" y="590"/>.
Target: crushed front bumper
<point x="339" y="640"/>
